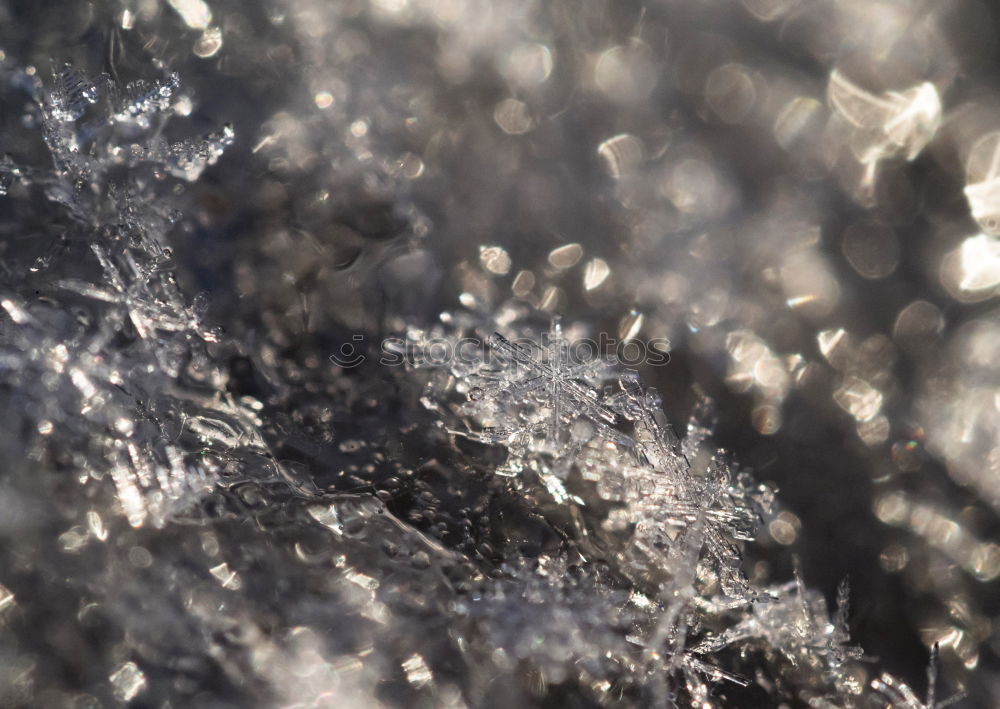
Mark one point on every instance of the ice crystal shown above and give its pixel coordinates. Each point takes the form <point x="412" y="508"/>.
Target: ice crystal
<point x="132" y="316"/>
<point x="791" y="626"/>
<point x="73" y="93"/>
<point x="554" y="615"/>
<point x="554" y="414"/>
<point x="188" y="159"/>
<point x="143" y="100"/>
<point x="901" y="696"/>
<point x="545" y="383"/>
<point x="670" y="512"/>
<point x="590" y="432"/>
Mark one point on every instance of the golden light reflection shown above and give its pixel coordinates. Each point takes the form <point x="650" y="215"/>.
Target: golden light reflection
<point x="978" y="558"/>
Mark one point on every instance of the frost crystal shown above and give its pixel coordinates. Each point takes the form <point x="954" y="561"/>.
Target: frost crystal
<point x="547" y="382"/>
<point x="594" y="437"/>
<point x="669" y="514"/>
<point x="900" y="696"/>
<point x="554" y="415"/>
<point x="791" y="626"/>
<point x="74" y="92"/>
<point x="136" y="341"/>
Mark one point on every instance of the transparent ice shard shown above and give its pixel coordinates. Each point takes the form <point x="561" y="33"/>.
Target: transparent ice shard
<point x="790" y="624"/>
<point x="654" y="436"/>
<point x="153" y="487"/>
<point x="149" y="296"/>
<point x="901" y="123"/>
<point x="74" y="92"/>
<point x="692" y="663"/>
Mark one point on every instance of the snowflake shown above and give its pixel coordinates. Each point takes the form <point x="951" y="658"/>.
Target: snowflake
<point x="554" y="414"/>
<point x="551" y="383"/>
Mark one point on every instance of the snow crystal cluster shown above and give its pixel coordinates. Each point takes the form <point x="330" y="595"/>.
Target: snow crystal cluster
<point x="115" y="324"/>
<point x="662" y="516"/>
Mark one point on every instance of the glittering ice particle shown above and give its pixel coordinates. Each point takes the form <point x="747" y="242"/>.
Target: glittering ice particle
<point x="975" y="267"/>
<point x="128" y="681"/>
<point x="417" y="671"/>
<point x="858" y="398"/>
<point x="983" y="182"/>
<point x="595" y="273"/>
<point x="905" y="121"/>
<point x="6" y="598"/>
<point x="226" y="577"/>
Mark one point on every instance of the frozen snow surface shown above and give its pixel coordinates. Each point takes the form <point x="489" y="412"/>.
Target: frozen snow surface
<point x="499" y="353"/>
